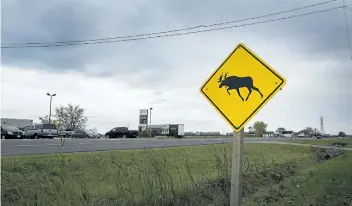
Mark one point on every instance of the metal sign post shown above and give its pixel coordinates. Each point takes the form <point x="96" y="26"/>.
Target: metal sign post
<point x="236" y="171"/>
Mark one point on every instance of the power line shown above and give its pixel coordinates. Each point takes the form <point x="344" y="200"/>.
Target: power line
<point x="347" y="29"/>
<point x="176" y="30"/>
<point x="176" y="34"/>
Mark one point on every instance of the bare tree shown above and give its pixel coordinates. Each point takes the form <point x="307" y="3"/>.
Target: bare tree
<point x="71" y="117"/>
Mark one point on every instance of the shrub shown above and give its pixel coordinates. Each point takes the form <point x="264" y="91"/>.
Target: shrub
<point x="339" y="144"/>
<point x="342" y="134"/>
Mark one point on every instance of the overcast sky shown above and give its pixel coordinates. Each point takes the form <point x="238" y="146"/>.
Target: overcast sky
<point x="113" y="81"/>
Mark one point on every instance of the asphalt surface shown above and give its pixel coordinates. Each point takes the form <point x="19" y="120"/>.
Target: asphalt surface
<point x="11" y="147"/>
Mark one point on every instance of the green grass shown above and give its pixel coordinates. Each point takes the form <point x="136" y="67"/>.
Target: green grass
<point x="326" y="142"/>
<point x="181" y="176"/>
<point x="329" y="183"/>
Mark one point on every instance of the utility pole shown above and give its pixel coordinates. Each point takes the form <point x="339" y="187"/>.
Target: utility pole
<point x="322" y="125"/>
<point x="51" y="98"/>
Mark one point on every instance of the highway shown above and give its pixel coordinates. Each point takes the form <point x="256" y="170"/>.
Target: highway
<point x="11" y="147"/>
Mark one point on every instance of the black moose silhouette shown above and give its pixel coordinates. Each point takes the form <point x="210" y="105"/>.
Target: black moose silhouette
<point x="234" y="82"/>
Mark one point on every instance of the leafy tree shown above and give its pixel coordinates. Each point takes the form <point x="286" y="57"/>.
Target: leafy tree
<point x="308" y="130"/>
<point x="342" y="134"/>
<point x="260" y="128"/>
<point x="71" y="117"/>
<point x="45" y="120"/>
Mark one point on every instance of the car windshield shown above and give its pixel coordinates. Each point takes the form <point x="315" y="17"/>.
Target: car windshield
<point x="10" y="128"/>
<point x="49" y="126"/>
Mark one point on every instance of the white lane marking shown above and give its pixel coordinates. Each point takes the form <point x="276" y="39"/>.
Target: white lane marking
<point x="23" y="145"/>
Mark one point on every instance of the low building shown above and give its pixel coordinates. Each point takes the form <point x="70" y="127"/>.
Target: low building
<point x="286" y="133"/>
<point x="269" y="134"/>
<point x="20" y="123"/>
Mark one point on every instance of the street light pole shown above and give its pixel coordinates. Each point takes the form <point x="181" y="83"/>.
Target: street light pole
<point x="51" y="98"/>
<point x="150" y="122"/>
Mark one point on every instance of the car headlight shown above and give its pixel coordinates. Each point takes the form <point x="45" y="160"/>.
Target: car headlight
<point x="9" y="132"/>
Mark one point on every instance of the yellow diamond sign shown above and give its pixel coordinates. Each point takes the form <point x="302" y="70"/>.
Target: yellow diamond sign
<point x="241" y="86"/>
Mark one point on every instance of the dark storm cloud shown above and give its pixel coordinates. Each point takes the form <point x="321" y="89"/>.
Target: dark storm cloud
<point x="66" y="20"/>
<point x="27" y="21"/>
<point x="323" y="33"/>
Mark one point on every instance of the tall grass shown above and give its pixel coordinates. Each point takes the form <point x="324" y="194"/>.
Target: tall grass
<point x="150" y="177"/>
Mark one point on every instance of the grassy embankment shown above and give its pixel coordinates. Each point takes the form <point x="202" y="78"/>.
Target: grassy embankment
<point x="273" y="175"/>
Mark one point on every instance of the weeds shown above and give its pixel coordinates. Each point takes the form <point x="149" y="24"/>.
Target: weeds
<point x="150" y="177"/>
<point x="326" y="154"/>
<point x="339" y="144"/>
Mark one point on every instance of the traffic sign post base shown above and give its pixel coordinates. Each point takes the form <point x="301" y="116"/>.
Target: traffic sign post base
<point x="236" y="171"/>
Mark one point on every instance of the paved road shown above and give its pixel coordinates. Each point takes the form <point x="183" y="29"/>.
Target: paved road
<point x="43" y="146"/>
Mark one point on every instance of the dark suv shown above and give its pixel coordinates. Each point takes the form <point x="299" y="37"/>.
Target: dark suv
<point x="10" y="132"/>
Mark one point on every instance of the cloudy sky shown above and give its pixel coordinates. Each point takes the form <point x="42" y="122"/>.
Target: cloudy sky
<point x="113" y="81"/>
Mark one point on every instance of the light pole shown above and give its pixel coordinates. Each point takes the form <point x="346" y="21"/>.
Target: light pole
<point x="150" y="122"/>
<point x="51" y="98"/>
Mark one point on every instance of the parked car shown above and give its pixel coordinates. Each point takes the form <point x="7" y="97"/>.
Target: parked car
<point x="66" y="133"/>
<point x="121" y="132"/>
<point x="92" y="134"/>
<point x="37" y="131"/>
<point x="84" y="134"/>
<point x="10" y="132"/>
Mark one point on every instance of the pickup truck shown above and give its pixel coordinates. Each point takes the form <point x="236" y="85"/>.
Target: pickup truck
<point x="37" y="131"/>
<point x="121" y="132"/>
